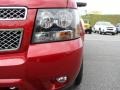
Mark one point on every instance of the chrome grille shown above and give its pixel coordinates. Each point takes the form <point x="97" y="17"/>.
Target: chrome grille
<point x="10" y="39"/>
<point x="13" y="13"/>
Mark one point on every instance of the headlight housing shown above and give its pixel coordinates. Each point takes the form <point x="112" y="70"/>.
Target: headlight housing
<point x="46" y="19"/>
<point x="64" y="18"/>
<point x="56" y="25"/>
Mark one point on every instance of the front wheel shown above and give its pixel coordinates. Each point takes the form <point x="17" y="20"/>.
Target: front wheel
<point x="100" y="32"/>
<point x="90" y="31"/>
<point x="113" y="33"/>
<point x="79" y="77"/>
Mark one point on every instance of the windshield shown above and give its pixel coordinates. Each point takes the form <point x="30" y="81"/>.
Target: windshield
<point x="104" y="23"/>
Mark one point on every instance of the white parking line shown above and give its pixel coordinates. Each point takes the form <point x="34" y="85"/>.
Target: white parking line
<point x="95" y="37"/>
<point x="102" y="40"/>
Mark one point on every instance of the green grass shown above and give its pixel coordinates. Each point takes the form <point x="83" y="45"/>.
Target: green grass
<point x="114" y="19"/>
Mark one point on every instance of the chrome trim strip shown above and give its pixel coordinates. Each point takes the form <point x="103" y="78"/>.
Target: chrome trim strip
<point x="26" y="12"/>
<point x="20" y="40"/>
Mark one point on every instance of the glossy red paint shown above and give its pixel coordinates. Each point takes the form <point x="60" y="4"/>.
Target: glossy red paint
<point x="35" y="3"/>
<point x="27" y="25"/>
<point x="40" y="3"/>
<point x="42" y="64"/>
<point x="36" y="66"/>
<point x="71" y="4"/>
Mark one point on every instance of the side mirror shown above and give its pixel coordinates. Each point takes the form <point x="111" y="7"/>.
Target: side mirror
<point x="81" y="4"/>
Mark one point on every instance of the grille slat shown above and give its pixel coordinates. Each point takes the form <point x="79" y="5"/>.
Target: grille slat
<point x="13" y="13"/>
<point x="10" y="39"/>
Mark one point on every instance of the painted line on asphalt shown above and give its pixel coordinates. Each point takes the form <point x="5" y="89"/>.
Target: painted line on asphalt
<point x="102" y="40"/>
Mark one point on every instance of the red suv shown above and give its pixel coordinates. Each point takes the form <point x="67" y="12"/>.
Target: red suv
<point x="41" y="44"/>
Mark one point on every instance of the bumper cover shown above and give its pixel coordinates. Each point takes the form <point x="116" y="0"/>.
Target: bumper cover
<point x="38" y="68"/>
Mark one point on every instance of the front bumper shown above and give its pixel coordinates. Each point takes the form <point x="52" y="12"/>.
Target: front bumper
<point x="108" y="31"/>
<point x="38" y="68"/>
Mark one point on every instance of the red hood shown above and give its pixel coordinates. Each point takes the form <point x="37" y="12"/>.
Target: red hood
<point x="35" y="3"/>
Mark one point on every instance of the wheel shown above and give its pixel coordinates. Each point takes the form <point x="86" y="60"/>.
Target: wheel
<point x="90" y="31"/>
<point x="79" y="77"/>
<point x="104" y="33"/>
<point x="113" y="33"/>
<point x="85" y="31"/>
<point x="100" y="32"/>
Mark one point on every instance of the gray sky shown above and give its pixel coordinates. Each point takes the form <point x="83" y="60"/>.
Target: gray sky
<point x="104" y="6"/>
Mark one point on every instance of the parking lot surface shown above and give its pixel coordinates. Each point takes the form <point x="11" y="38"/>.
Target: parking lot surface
<point x="101" y="63"/>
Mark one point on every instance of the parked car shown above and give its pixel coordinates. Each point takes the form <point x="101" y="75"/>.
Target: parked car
<point x="87" y="26"/>
<point x="103" y="27"/>
<point x="118" y="27"/>
<point x="41" y="44"/>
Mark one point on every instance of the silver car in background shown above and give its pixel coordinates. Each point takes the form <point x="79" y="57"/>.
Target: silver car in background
<point x="103" y="27"/>
<point x="118" y="27"/>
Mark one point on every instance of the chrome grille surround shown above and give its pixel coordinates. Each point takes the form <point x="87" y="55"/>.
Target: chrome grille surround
<point x="10" y="39"/>
<point x="13" y="13"/>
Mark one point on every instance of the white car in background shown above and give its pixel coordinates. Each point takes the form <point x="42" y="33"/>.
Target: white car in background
<point x="103" y="27"/>
<point x="118" y="27"/>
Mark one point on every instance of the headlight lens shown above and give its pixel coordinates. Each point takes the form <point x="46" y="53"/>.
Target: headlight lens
<point x="56" y="25"/>
<point x="46" y="19"/>
<point x="64" y="18"/>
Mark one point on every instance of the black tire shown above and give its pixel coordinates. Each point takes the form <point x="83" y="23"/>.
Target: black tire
<point x="117" y="32"/>
<point x="104" y="33"/>
<point x="78" y="80"/>
<point x="100" y="33"/>
<point x="90" y="32"/>
<point x="85" y="31"/>
<point x="113" y="33"/>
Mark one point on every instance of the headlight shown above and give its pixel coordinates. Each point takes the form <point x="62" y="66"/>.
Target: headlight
<point x="56" y="25"/>
<point x="46" y="19"/>
<point x="64" y="18"/>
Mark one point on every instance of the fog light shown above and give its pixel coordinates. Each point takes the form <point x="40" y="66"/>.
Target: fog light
<point x="62" y="79"/>
<point x="12" y="88"/>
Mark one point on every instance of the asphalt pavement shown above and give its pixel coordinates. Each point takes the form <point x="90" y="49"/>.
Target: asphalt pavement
<point x="101" y="63"/>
